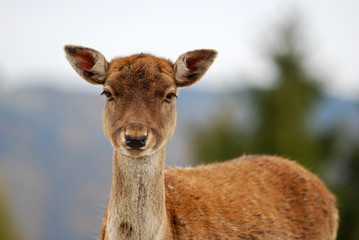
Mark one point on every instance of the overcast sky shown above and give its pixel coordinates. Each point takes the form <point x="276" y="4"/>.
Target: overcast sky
<point x="33" y="34"/>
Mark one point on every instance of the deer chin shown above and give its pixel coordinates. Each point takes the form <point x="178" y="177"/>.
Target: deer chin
<point x="136" y="152"/>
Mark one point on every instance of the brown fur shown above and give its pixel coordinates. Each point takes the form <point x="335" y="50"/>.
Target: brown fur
<point x="253" y="197"/>
<point x="249" y="198"/>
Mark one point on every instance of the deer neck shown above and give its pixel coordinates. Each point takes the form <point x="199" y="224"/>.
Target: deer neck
<point x="137" y="207"/>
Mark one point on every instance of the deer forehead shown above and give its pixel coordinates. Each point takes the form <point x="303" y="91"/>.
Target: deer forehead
<point x="140" y="73"/>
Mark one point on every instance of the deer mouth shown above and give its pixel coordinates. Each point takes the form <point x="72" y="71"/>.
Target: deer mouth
<point x="137" y="152"/>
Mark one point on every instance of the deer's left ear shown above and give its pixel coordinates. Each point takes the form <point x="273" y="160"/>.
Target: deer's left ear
<point x="191" y="66"/>
<point x="89" y="63"/>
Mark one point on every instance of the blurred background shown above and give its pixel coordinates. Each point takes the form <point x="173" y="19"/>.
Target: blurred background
<point x="286" y="82"/>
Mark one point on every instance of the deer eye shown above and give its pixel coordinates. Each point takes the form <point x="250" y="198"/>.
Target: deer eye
<point x="169" y="97"/>
<point x="108" y="95"/>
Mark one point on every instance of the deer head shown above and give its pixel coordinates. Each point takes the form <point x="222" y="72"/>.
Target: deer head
<point x="139" y="116"/>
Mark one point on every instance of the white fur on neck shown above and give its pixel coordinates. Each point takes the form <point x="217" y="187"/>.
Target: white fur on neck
<point x="137" y="198"/>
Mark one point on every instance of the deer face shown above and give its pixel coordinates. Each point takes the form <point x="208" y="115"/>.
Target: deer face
<point x="139" y="116"/>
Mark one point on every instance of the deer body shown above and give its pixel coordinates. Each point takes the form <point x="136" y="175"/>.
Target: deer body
<point x="252" y="197"/>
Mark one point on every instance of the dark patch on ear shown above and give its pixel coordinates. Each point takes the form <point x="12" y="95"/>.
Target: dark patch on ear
<point x="192" y="62"/>
<point x="70" y="50"/>
<point x="192" y="76"/>
<point x="85" y="59"/>
<point x="88" y="74"/>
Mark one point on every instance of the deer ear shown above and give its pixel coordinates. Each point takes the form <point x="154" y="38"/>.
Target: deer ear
<point x="191" y="66"/>
<point x="90" y="64"/>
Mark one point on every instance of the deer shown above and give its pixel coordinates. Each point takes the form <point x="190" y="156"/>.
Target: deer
<point x="250" y="197"/>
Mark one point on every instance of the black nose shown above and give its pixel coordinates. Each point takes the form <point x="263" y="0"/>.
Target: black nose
<point x="135" y="142"/>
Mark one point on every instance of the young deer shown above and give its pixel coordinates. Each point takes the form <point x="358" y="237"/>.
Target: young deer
<point x="252" y="197"/>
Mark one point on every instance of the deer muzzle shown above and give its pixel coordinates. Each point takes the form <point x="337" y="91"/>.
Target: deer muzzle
<point x="135" y="136"/>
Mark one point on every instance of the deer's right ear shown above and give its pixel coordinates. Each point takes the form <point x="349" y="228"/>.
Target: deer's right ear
<point x="90" y="64"/>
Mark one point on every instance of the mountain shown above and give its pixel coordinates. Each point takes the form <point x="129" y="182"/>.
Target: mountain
<point x="57" y="164"/>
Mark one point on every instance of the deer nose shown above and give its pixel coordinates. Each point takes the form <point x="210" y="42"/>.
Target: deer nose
<point x="136" y="135"/>
<point x="135" y="142"/>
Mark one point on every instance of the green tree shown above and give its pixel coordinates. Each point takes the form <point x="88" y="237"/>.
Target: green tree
<point x="345" y="182"/>
<point x="284" y="109"/>
<point x="218" y="142"/>
<point x="348" y="196"/>
<point x="282" y="112"/>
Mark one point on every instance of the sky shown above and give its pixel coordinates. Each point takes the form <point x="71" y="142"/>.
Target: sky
<point x="33" y="34"/>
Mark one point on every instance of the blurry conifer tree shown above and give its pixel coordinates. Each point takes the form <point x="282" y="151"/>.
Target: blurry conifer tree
<point x="283" y="128"/>
<point x="282" y="112"/>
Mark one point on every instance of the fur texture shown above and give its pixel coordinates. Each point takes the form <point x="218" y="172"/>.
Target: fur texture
<point x="253" y="197"/>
